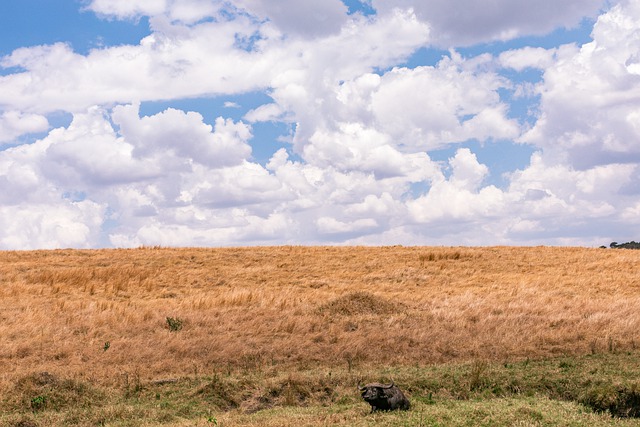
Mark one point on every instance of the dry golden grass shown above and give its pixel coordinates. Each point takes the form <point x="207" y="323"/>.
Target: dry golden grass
<point x="102" y="315"/>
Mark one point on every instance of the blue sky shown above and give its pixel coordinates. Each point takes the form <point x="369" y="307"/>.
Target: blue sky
<point x="35" y="22"/>
<point x="215" y="123"/>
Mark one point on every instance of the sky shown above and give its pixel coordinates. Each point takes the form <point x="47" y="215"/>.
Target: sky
<point x="127" y="123"/>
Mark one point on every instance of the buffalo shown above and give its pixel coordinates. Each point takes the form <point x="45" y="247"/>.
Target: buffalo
<point x="384" y="397"/>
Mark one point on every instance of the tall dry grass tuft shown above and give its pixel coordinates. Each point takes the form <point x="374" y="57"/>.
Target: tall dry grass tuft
<point x="286" y="307"/>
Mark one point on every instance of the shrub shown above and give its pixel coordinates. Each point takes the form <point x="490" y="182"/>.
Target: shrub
<point x="174" y="324"/>
<point x="38" y="403"/>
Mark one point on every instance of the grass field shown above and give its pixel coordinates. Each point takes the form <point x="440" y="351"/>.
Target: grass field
<point x="282" y="336"/>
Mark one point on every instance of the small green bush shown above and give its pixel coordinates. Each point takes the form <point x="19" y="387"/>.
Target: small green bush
<point x="38" y="403"/>
<point x="174" y="324"/>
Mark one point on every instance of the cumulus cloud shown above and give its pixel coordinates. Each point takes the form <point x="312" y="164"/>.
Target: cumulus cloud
<point x="428" y="107"/>
<point x="14" y="124"/>
<point x="128" y="9"/>
<point x="91" y="153"/>
<point x="264" y="113"/>
<point x="527" y="57"/>
<point x="311" y="18"/>
<point x="354" y="147"/>
<point x="47" y="226"/>
<point x="146" y="167"/>
<point x="461" y="197"/>
<point x="308" y="91"/>
<point x="186" y="11"/>
<point x="162" y="66"/>
<point x="328" y="225"/>
<point x="185" y="135"/>
<point x="35" y="212"/>
<point x="589" y="96"/>
<point x="557" y="200"/>
<point x="177" y="61"/>
<point x="469" y="22"/>
<point x="365" y="128"/>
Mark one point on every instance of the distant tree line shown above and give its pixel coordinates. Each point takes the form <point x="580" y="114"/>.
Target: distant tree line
<point x="628" y="245"/>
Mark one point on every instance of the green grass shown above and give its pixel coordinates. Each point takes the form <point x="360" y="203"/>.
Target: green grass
<point x="491" y="412"/>
<point x="577" y="391"/>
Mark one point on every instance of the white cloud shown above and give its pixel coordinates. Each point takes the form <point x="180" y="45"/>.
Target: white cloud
<point x="190" y="11"/>
<point x="583" y="180"/>
<point x="187" y="11"/>
<point x="20" y="177"/>
<point x="311" y="18"/>
<point x="565" y="183"/>
<point x="264" y="113"/>
<point x="163" y="66"/>
<point x="527" y="57"/>
<point x="430" y="107"/>
<point x="384" y="124"/>
<point x="470" y="22"/>
<point x="328" y="225"/>
<point x="90" y="153"/>
<point x="245" y="228"/>
<point x="467" y="172"/>
<point x="14" y="124"/>
<point x="48" y="226"/>
<point x="375" y="206"/>
<point x="150" y="169"/>
<point x="589" y="105"/>
<point x="452" y="23"/>
<point x="631" y="214"/>
<point x="354" y="147"/>
<point x="178" y="61"/>
<point x="38" y="209"/>
<point x="461" y="197"/>
<point x="184" y="135"/>
<point x="360" y="168"/>
<point x="128" y="8"/>
<point x="308" y="90"/>
<point x="242" y="185"/>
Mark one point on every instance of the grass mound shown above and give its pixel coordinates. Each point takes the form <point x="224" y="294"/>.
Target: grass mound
<point x="41" y="391"/>
<point x="360" y="303"/>
<point x="24" y="422"/>
<point x="222" y="393"/>
<point x="229" y="393"/>
<point x="621" y="401"/>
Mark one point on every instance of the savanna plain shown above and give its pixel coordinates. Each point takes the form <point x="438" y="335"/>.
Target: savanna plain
<point x="283" y="336"/>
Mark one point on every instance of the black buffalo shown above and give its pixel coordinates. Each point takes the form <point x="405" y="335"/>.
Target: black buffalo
<point x="384" y="397"/>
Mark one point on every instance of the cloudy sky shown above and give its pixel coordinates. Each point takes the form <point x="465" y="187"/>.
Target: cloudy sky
<point x="257" y="122"/>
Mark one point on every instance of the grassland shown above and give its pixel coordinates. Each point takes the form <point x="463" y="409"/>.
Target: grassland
<point x="281" y="336"/>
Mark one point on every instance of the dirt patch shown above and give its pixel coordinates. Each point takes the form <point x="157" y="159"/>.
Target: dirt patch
<point x="362" y="303"/>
